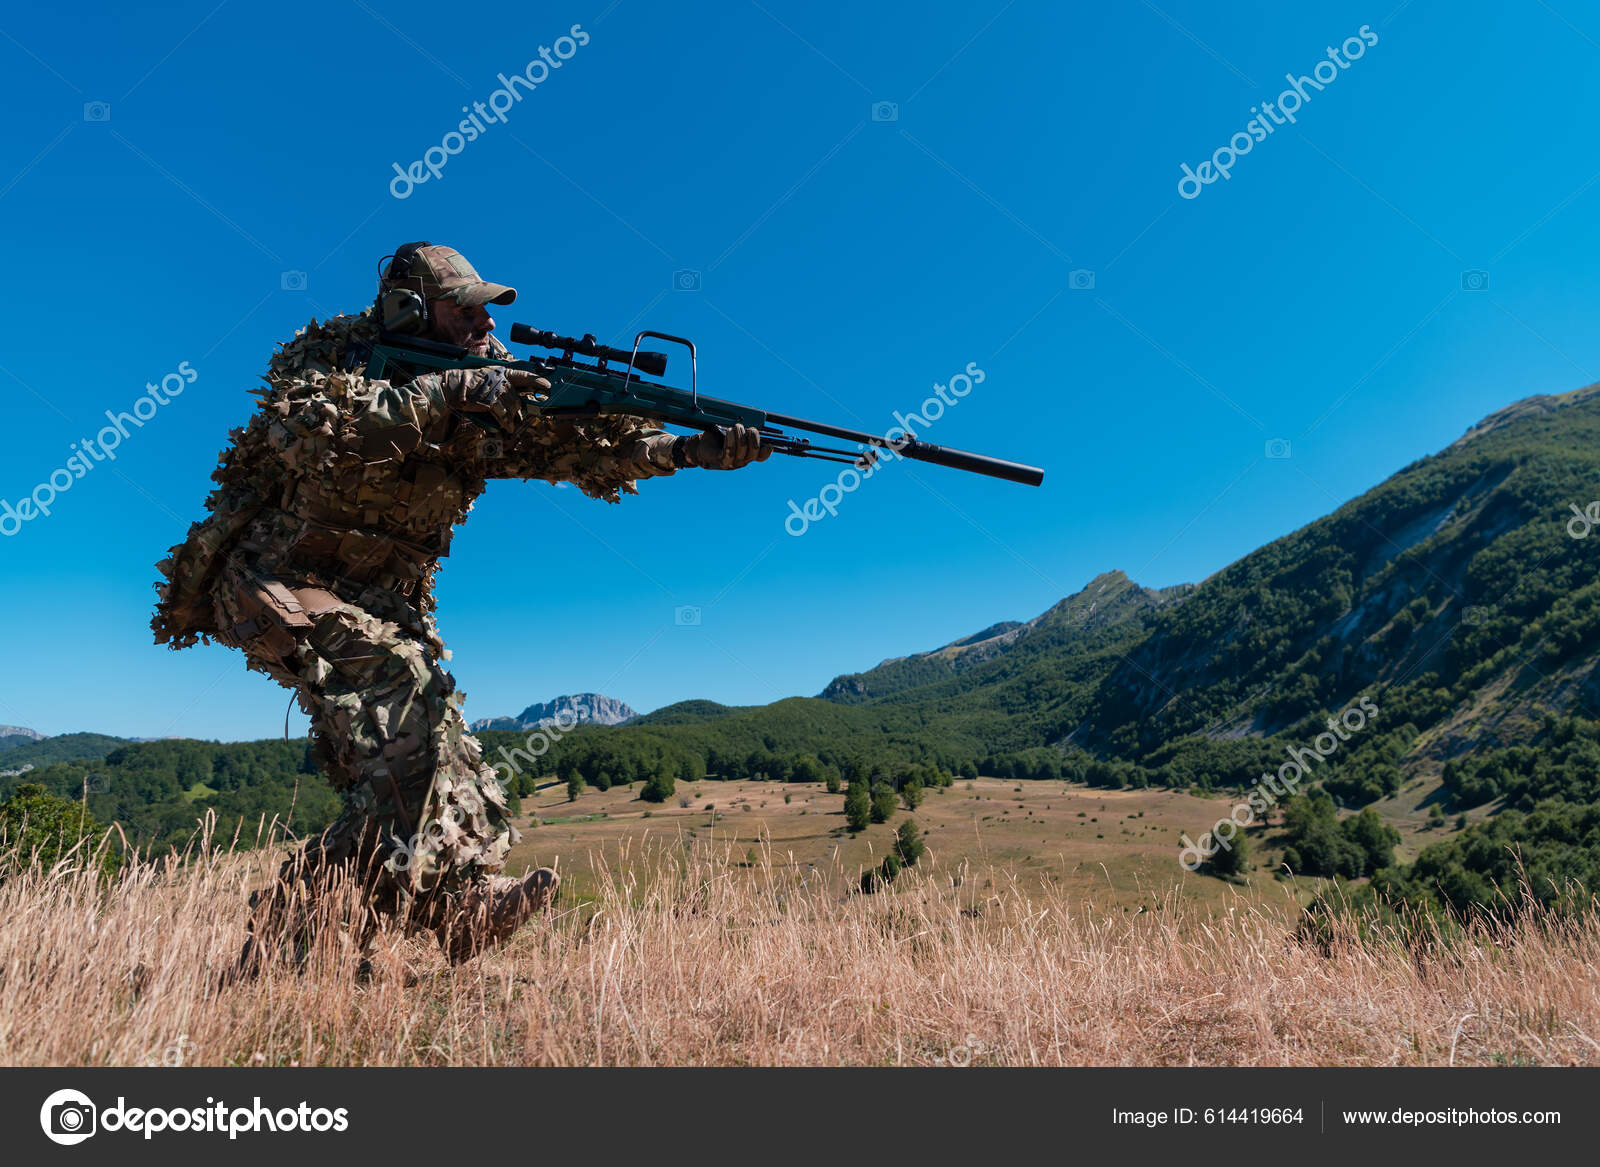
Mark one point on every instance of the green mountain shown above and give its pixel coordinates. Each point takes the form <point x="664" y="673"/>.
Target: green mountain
<point x="66" y="747"/>
<point x="688" y="713"/>
<point x="159" y="791"/>
<point x="1454" y="588"/>
<point x="1109" y="611"/>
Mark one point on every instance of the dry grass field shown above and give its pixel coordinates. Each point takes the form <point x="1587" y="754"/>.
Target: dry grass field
<point x="723" y="947"/>
<point x="1116" y="848"/>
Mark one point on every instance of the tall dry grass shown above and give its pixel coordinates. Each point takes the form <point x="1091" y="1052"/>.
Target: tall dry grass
<point x="686" y="956"/>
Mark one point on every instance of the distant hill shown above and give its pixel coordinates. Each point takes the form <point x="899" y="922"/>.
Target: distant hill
<point x="16" y="735"/>
<point x="689" y="713"/>
<point x="67" y="747"/>
<point x="586" y="708"/>
<point x="1109" y="602"/>
<point x="159" y="791"/>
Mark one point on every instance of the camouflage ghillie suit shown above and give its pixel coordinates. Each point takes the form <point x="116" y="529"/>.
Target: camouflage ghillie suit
<point x="333" y="507"/>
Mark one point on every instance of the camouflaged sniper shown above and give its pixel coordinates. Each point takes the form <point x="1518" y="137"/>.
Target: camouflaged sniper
<point x="333" y="507"/>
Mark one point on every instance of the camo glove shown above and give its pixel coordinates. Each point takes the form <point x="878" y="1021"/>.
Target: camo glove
<point x="722" y="449"/>
<point x="494" y="390"/>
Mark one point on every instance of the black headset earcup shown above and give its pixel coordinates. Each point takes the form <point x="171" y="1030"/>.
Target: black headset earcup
<point x="402" y="310"/>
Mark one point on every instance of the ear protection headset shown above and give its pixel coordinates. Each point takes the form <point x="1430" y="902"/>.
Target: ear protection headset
<point x="399" y="308"/>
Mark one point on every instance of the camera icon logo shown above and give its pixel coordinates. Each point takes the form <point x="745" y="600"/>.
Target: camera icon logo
<point x="687" y="616"/>
<point x="886" y="111"/>
<point x="1277" y="447"/>
<point x="292" y="281"/>
<point x="97" y="111"/>
<point x="1475" y="615"/>
<point x="687" y="280"/>
<point x="1080" y="280"/>
<point x="1475" y="280"/>
<point x="96" y="783"/>
<point x="68" y="1117"/>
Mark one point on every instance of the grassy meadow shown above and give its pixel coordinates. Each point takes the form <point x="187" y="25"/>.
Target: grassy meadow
<point x="1064" y="936"/>
<point x="1116" y="848"/>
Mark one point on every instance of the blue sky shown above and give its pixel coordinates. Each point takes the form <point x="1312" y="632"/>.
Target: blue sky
<point x="846" y="262"/>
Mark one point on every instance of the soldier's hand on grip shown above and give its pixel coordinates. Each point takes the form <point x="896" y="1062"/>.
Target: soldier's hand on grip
<point x="487" y="384"/>
<point x="525" y="381"/>
<point x="732" y="447"/>
<point x="493" y="390"/>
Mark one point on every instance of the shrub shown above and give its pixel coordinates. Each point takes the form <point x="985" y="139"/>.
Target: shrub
<point x="1234" y="859"/>
<point x="659" y="788"/>
<point x="43" y="825"/>
<point x="908" y="845"/>
<point x="857" y="807"/>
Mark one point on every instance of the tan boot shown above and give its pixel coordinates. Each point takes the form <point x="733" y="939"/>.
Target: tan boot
<point x="492" y="912"/>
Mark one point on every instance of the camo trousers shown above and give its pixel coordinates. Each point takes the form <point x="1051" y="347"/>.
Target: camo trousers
<point x="424" y="818"/>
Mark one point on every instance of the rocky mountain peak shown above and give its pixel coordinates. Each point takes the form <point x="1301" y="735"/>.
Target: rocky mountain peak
<point x="586" y="708"/>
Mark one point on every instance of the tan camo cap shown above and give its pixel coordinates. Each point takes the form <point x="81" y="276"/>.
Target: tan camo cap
<point x="444" y="272"/>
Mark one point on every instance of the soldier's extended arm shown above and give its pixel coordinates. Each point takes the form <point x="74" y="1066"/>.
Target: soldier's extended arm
<point x="603" y="456"/>
<point x="609" y="454"/>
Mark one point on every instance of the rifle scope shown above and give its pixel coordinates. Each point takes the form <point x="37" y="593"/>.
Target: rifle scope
<point x="653" y="364"/>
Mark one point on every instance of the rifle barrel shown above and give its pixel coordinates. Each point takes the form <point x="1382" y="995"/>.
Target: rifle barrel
<point x="923" y="451"/>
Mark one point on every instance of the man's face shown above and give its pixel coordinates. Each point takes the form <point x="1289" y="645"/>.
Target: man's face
<point x="467" y="327"/>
